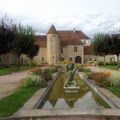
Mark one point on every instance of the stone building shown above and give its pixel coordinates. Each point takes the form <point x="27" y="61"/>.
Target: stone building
<point x="60" y="45"/>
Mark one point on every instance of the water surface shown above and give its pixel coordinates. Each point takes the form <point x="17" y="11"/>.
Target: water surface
<point x="85" y="99"/>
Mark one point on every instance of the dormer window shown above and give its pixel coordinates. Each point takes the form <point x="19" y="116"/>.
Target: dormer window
<point x="84" y="41"/>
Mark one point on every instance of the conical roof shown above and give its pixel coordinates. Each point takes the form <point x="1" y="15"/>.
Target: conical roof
<point x="52" y="30"/>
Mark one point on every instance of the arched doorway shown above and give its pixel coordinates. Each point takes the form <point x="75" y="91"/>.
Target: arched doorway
<point x="77" y="59"/>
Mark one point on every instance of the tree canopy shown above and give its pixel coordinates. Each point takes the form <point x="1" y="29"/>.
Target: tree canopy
<point x="7" y="37"/>
<point x="27" y="39"/>
<point x="99" y="44"/>
<point x="106" y="44"/>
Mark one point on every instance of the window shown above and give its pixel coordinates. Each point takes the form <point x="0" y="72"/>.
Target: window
<point x="75" y="49"/>
<point x="42" y="59"/>
<point x="90" y="59"/>
<point x="61" y="50"/>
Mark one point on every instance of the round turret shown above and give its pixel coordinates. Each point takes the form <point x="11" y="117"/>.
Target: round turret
<point x="53" y="46"/>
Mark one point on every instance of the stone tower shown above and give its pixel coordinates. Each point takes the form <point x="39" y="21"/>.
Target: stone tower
<point x="53" y="46"/>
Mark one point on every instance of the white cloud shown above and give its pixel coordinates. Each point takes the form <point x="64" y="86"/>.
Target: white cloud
<point x="88" y="23"/>
<point x="90" y="16"/>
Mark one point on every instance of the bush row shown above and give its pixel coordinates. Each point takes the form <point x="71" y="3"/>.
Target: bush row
<point x="40" y="76"/>
<point x="106" y="78"/>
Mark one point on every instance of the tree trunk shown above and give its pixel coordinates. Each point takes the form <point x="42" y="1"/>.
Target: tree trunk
<point x="30" y="63"/>
<point x="18" y="62"/>
<point x="118" y="63"/>
<point x="104" y="61"/>
<point x="0" y="59"/>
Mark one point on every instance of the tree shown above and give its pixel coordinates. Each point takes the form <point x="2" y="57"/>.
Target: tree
<point x="7" y="37"/>
<point x="99" y="45"/>
<point x="114" y="45"/>
<point x="26" y="44"/>
<point x="33" y="52"/>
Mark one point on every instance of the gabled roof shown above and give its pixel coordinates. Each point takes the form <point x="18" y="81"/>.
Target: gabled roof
<point x="70" y="37"/>
<point x="52" y="30"/>
<point x="88" y="50"/>
<point x="67" y="37"/>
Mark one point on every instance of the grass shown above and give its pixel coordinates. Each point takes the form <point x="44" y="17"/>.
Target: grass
<point x="115" y="90"/>
<point x="87" y="73"/>
<point x="10" y="104"/>
<point x="8" y="70"/>
<point x="110" y="66"/>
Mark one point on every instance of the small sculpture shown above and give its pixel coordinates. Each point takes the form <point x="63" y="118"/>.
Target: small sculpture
<point x="70" y="85"/>
<point x="70" y="75"/>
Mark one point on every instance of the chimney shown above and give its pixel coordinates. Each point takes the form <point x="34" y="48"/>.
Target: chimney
<point x="74" y="30"/>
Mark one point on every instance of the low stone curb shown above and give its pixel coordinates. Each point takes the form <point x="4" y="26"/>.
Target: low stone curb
<point x="105" y="94"/>
<point x="29" y="111"/>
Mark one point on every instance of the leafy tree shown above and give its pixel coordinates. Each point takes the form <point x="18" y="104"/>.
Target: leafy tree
<point x="26" y="44"/>
<point x="99" y="44"/>
<point x="114" y="45"/>
<point x="33" y="52"/>
<point x="7" y="37"/>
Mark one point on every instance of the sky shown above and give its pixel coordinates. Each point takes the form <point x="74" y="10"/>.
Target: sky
<point x="90" y="16"/>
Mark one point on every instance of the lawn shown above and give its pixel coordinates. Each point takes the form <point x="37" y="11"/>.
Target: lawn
<point x="10" y="104"/>
<point x="115" y="90"/>
<point x="87" y="73"/>
<point x="110" y="66"/>
<point x="8" y="70"/>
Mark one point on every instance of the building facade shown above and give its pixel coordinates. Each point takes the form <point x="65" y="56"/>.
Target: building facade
<point x="60" y="45"/>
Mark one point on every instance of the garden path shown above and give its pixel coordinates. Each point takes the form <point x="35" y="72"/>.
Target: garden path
<point x="8" y="83"/>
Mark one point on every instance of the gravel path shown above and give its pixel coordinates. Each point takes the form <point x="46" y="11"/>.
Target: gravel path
<point x="8" y="83"/>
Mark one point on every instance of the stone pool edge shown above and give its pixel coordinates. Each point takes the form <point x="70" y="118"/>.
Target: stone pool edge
<point x="29" y="110"/>
<point x="112" y="100"/>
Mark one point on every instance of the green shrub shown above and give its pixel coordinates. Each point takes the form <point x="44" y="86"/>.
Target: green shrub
<point x="46" y="74"/>
<point x="112" y="63"/>
<point x="83" y="69"/>
<point x="80" y="68"/>
<point x="35" y="81"/>
<point x="87" y="70"/>
<point x="54" y="69"/>
<point x="115" y="79"/>
<point x="100" y="63"/>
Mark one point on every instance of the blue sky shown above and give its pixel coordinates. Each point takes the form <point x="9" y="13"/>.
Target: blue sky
<point x="88" y="15"/>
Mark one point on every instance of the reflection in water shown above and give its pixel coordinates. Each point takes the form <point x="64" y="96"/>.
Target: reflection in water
<point x="61" y="104"/>
<point x="47" y="105"/>
<point x="85" y="99"/>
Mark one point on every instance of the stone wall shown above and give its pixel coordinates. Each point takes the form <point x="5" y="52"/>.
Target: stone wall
<point x="108" y="58"/>
<point x="8" y="59"/>
<point x="42" y="56"/>
<point x="68" y="52"/>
